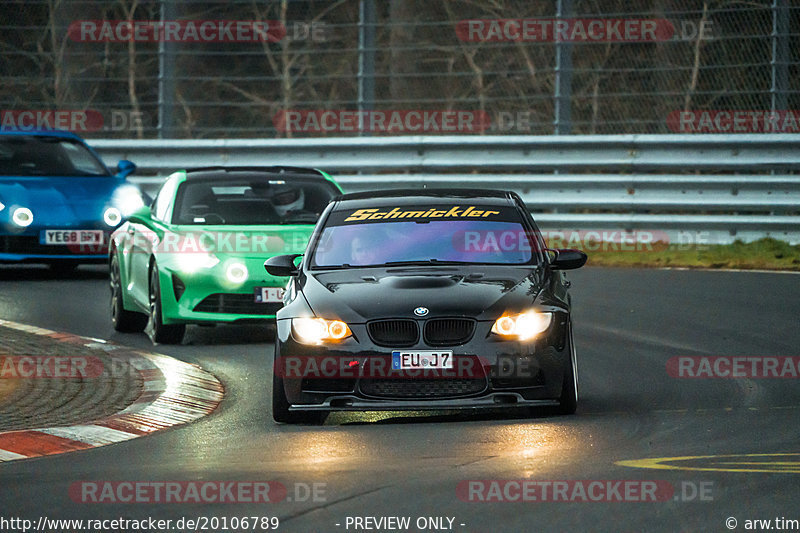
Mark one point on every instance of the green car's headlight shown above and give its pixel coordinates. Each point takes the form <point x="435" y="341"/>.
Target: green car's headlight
<point x="194" y="261"/>
<point x="236" y="273"/>
<point x="523" y="326"/>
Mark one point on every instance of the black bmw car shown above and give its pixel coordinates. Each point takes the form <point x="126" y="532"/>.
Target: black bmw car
<point x="417" y="300"/>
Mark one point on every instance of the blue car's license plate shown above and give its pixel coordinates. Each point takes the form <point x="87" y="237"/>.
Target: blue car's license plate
<point x="71" y="236"/>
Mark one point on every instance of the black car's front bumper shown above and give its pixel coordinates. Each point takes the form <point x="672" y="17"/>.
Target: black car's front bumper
<point x="489" y="372"/>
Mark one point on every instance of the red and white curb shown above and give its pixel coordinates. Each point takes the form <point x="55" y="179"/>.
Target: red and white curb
<point x="174" y="393"/>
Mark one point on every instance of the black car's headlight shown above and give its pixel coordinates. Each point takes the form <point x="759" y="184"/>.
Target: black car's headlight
<point x="313" y="330"/>
<point x="522" y="326"/>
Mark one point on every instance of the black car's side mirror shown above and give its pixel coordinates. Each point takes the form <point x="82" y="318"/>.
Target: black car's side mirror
<point x="282" y="265"/>
<point x="567" y="259"/>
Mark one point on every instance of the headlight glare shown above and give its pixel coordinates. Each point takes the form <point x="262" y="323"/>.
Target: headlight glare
<point x="313" y="330"/>
<point x="127" y="199"/>
<point x="22" y="217"/>
<point x="523" y="326"/>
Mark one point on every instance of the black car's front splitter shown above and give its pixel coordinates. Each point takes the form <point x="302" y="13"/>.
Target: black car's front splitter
<point x="491" y="401"/>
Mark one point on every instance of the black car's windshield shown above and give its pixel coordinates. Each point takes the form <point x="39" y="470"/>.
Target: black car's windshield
<point x="24" y="155"/>
<point x="255" y="199"/>
<point x="433" y="235"/>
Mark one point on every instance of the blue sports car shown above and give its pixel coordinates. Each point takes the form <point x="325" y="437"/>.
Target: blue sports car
<point x="58" y="201"/>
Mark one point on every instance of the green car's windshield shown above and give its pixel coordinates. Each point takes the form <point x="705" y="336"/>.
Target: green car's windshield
<point x="254" y="200"/>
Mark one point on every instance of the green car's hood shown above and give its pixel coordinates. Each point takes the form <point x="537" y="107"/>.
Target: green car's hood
<point x="238" y="241"/>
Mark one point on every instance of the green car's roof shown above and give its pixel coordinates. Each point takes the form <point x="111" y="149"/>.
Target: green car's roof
<point x="278" y="170"/>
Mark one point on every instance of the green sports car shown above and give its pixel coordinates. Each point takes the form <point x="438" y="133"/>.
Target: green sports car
<point x="196" y="255"/>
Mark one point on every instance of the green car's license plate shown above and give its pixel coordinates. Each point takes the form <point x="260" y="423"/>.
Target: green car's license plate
<point x="266" y="295"/>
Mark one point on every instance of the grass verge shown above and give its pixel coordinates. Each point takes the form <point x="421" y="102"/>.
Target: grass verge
<point x="764" y="254"/>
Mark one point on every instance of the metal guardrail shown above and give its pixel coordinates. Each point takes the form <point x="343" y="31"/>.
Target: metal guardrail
<point x="696" y="188"/>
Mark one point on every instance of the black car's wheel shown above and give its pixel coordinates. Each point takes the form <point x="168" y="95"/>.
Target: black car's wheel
<point x="280" y="407"/>
<point x="568" y="402"/>
<point x="156" y="329"/>
<point x="122" y="319"/>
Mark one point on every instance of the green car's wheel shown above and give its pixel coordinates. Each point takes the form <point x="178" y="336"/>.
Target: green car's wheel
<point x="568" y="402"/>
<point x="156" y="329"/>
<point x="280" y="407"/>
<point x="122" y="319"/>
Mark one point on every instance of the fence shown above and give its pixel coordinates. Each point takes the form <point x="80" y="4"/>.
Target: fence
<point x="695" y="188"/>
<point x="515" y="66"/>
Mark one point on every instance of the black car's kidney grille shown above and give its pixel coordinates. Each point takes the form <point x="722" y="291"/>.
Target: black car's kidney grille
<point x="239" y="304"/>
<point x="393" y="333"/>
<point x="422" y="389"/>
<point x="448" y="331"/>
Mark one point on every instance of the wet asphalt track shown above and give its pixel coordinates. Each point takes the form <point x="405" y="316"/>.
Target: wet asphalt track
<point x="628" y="323"/>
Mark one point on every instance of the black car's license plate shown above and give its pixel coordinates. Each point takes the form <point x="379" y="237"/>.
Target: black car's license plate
<point x="413" y="360"/>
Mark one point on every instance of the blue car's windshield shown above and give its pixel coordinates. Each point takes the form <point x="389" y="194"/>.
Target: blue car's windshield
<point x="24" y="155"/>
<point x="495" y="235"/>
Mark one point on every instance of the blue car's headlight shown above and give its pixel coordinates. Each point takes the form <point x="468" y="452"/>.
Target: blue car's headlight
<point x="112" y="216"/>
<point x="22" y="217"/>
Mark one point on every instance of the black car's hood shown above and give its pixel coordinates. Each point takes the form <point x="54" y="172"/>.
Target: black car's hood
<point x="482" y="292"/>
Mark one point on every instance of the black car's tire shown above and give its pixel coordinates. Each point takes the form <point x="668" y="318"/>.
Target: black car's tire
<point x="156" y="329"/>
<point x="568" y="401"/>
<point x="122" y="319"/>
<point x="280" y="407"/>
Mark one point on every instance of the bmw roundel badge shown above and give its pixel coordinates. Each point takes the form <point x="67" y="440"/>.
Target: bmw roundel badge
<point x="421" y="311"/>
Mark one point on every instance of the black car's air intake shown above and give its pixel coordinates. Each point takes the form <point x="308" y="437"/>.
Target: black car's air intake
<point x="393" y="333"/>
<point x="448" y="331"/>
